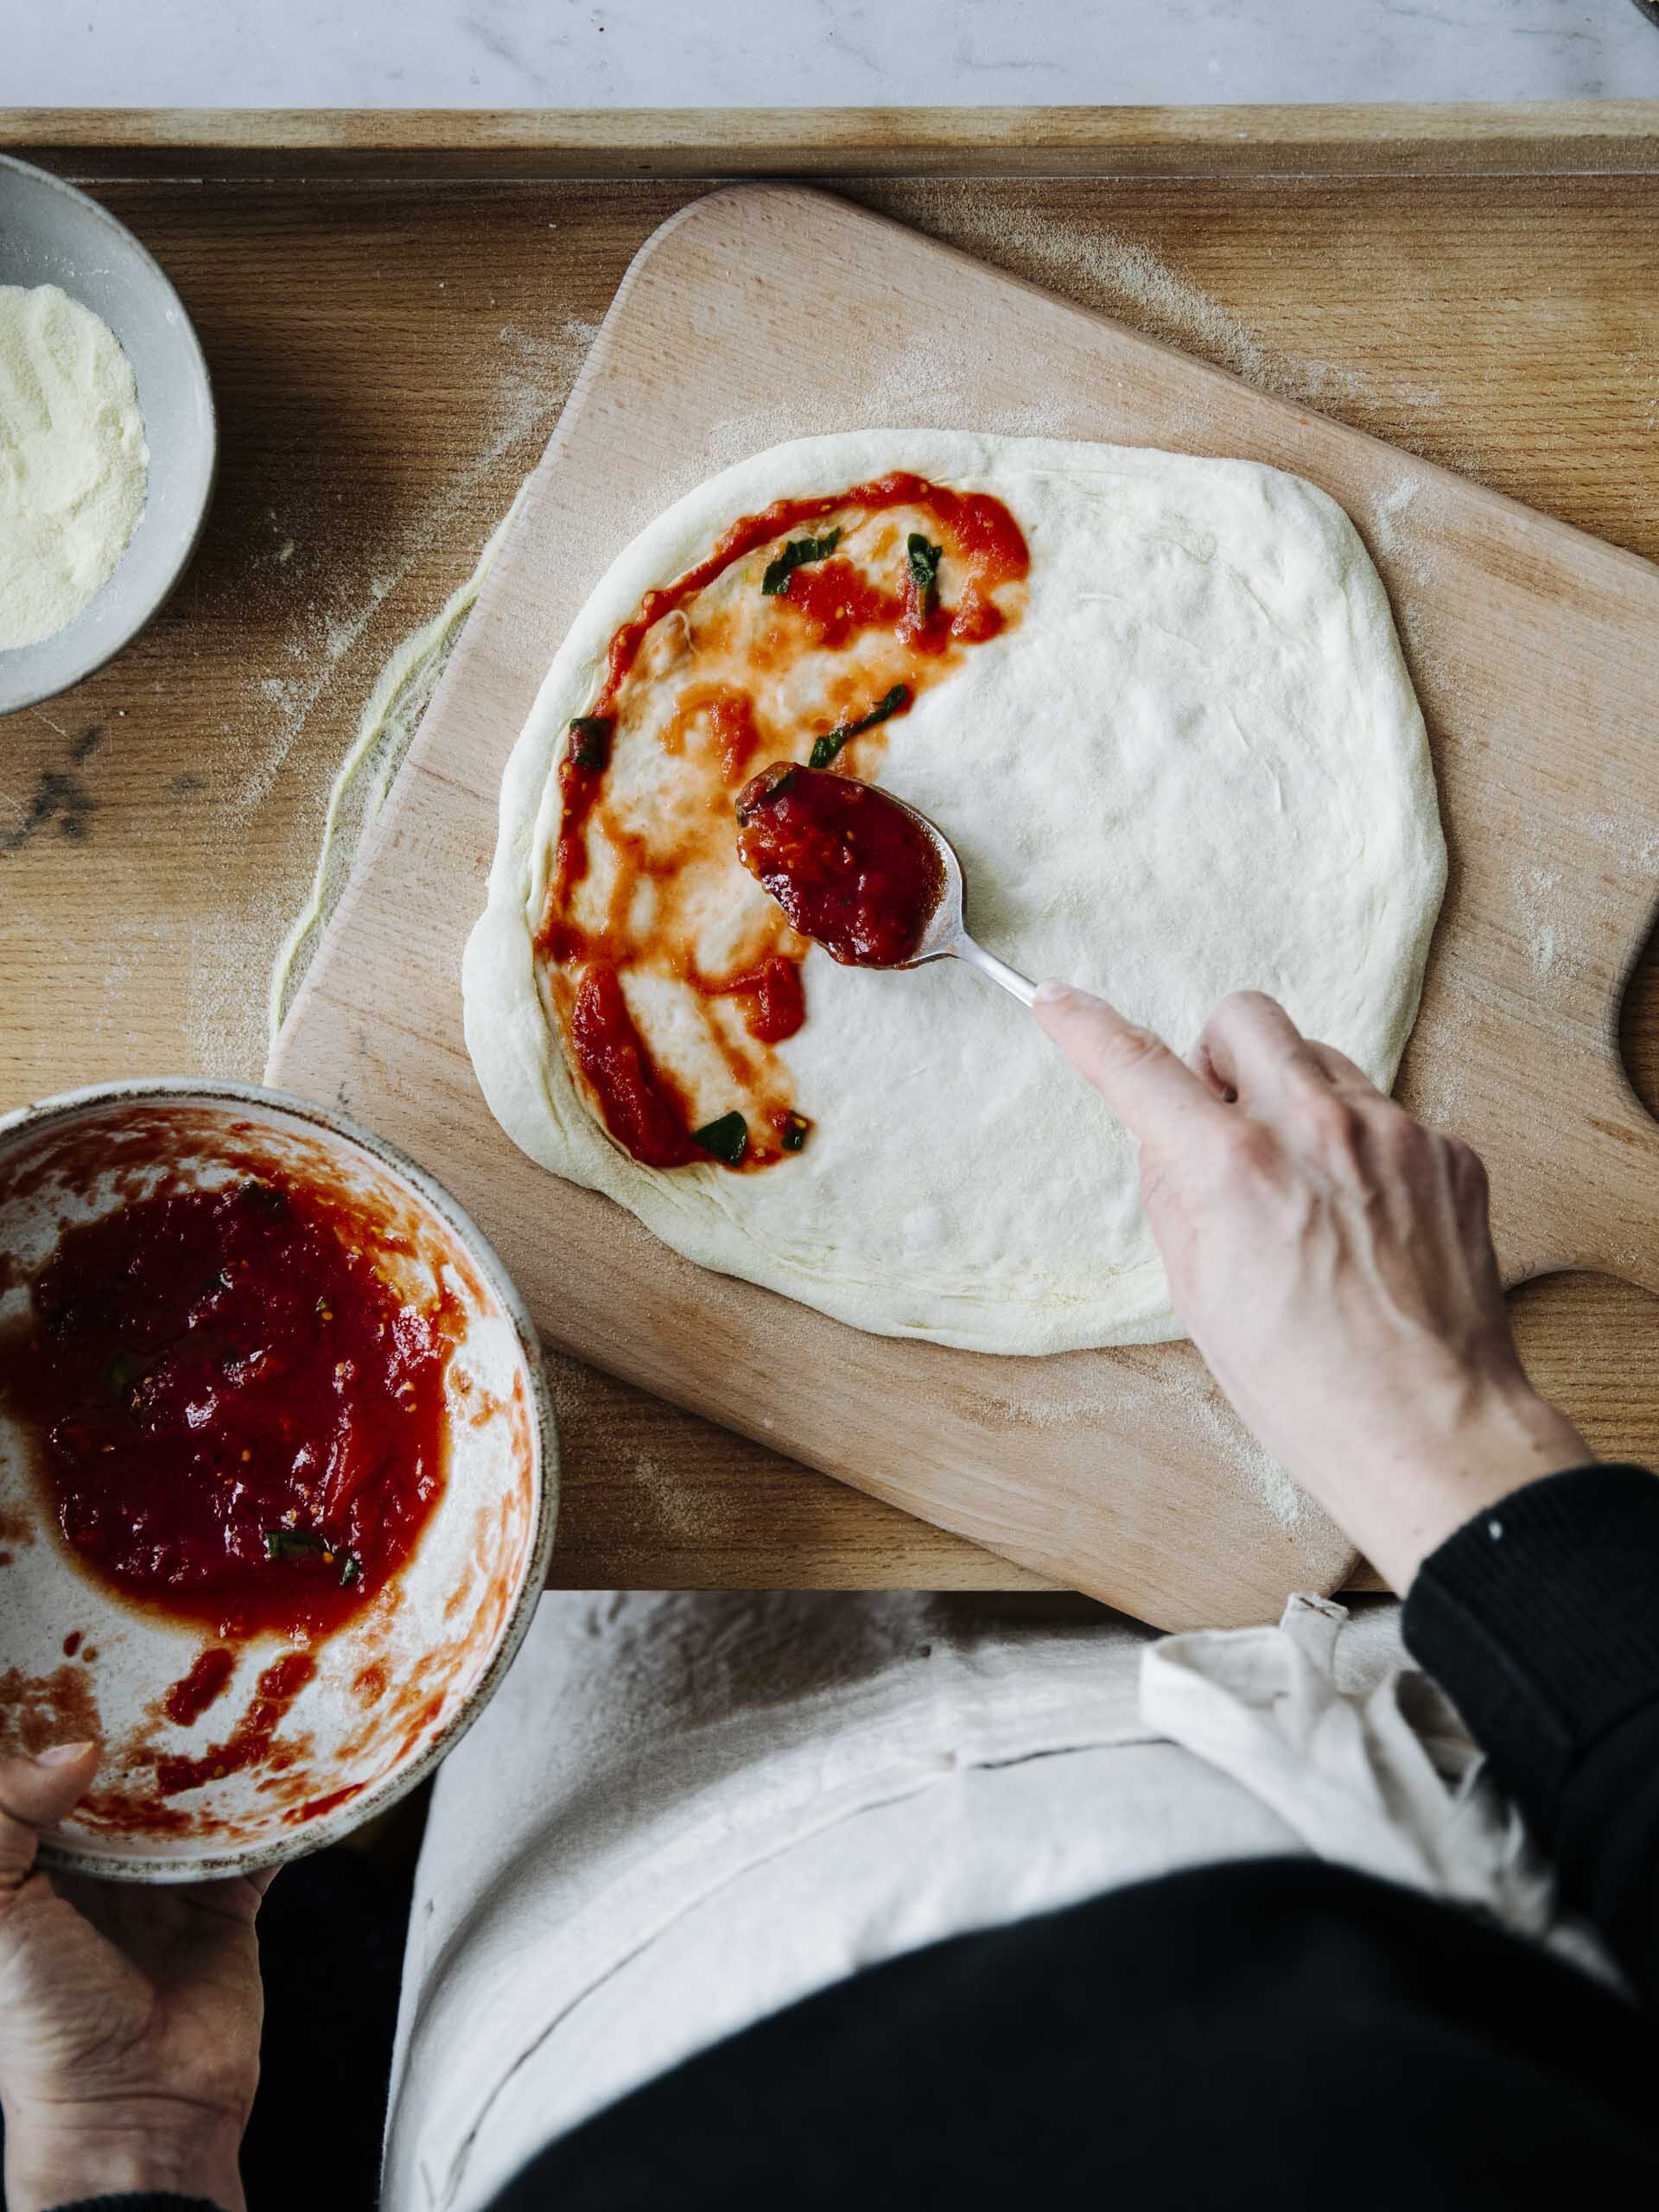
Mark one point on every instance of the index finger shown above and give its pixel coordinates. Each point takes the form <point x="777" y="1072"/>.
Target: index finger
<point x="1149" y="1090"/>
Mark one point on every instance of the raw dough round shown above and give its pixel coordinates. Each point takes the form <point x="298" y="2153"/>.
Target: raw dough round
<point x="1197" y="764"/>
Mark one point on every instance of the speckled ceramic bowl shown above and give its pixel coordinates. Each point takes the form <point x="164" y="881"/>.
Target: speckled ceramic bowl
<point x="52" y="234"/>
<point x="394" y="1687"/>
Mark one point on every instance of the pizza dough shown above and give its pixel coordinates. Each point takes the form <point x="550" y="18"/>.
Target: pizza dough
<point x="73" y="463"/>
<point x="1195" y="765"/>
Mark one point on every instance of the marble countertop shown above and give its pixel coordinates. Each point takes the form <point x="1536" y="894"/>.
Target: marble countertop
<point x="818" y="52"/>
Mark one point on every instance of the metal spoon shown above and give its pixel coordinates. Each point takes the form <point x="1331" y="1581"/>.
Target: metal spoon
<point x="946" y="934"/>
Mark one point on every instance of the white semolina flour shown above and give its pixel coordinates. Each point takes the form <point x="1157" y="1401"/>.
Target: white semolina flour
<point x="73" y="463"/>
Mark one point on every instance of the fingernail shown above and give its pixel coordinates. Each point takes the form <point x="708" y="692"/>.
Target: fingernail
<point x="62" y="1754"/>
<point x="1053" y="993"/>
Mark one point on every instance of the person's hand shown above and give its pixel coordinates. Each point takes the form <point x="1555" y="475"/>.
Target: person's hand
<point x="129" y="2017"/>
<point x="1331" y="1258"/>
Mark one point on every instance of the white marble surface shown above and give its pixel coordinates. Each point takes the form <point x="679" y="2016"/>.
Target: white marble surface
<point x="790" y="53"/>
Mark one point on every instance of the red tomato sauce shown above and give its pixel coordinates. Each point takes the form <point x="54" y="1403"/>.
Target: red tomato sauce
<point x="838" y="602"/>
<point x="825" y="605"/>
<point x="774" y="1004"/>
<point x="642" y="1111"/>
<point x="238" y="1420"/>
<point x="253" y="1739"/>
<point x="853" y="872"/>
<point x="190" y="1696"/>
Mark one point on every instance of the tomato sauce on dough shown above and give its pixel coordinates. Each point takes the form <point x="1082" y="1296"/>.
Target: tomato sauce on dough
<point x="803" y="637"/>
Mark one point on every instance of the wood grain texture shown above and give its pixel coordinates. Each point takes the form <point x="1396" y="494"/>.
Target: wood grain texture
<point x="1536" y="650"/>
<point x="1576" y="137"/>
<point x="376" y="420"/>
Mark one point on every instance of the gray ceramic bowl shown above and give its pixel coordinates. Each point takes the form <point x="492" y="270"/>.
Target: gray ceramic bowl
<point x="52" y="234"/>
<point x="399" y="1684"/>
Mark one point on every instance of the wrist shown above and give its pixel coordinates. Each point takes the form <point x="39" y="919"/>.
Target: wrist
<point x="1505" y="1439"/>
<point x="112" y="2150"/>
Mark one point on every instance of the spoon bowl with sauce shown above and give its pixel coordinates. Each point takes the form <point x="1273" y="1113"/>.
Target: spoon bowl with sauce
<point x="861" y="873"/>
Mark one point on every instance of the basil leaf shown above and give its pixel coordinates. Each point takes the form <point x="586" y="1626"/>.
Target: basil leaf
<point x="795" y="1128"/>
<point x="304" y="1543"/>
<point x="825" y="748"/>
<point x="125" y="1368"/>
<point x="923" y="566"/>
<point x="727" y="1138"/>
<point x="796" y="554"/>
<point x="590" y="740"/>
<point x="292" y="1543"/>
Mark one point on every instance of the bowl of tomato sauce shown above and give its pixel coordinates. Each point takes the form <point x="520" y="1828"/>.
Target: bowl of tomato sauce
<point x="278" y="1470"/>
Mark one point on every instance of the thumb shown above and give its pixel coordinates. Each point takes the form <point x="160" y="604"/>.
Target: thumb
<point x="35" y="1794"/>
<point x="1152" y="1092"/>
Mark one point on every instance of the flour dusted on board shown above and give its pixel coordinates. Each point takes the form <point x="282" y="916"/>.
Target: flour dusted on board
<point x="73" y="463"/>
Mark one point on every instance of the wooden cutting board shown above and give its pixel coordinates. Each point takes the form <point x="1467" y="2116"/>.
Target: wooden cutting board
<point x="764" y="312"/>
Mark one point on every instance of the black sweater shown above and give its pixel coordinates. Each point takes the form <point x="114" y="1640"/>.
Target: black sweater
<point x="1238" y="2035"/>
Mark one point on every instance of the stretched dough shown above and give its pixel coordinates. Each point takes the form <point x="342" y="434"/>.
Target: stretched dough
<point x="1195" y="765"/>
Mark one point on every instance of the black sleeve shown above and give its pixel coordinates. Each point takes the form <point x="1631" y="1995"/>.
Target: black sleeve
<point x="1541" y="1620"/>
<point x="143" y="2200"/>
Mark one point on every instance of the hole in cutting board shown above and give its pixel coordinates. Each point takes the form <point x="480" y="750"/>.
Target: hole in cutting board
<point x="1638" y="1024"/>
<point x="1577" y="1335"/>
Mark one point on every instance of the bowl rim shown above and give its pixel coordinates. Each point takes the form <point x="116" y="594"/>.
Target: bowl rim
<point x="377" y="1797"/>
<point x="167" y="583"/>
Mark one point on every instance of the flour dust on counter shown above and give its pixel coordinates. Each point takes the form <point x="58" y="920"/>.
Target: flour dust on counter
<point x="1156" y="702"/>
<point x="386" y="729"/>
<point x="336" y="710"/>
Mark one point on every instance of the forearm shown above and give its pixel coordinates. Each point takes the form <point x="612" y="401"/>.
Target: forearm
<point x="1540" y="1617"/>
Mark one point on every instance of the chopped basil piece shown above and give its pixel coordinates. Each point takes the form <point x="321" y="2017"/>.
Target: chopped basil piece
<point x="778" y="781"/>
<point x="590" y="740"/>
<point x="923" y="566"/>
<point x="292" y="1543"/>
<point x="304" y="1543"/>
<point x="795" y="1129"/>
<point x="266" y="1195"/>
<point x="727" y="1138"/>
<point x="125" y="1372"/>
<point x="825" y="748"/>
<point x="796" y="554"/>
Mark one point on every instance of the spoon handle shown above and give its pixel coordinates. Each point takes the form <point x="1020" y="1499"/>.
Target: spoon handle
<point x="999" y="970"/>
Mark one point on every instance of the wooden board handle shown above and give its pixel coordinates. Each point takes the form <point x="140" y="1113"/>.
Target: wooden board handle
<point x="1618" y="1181"/>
